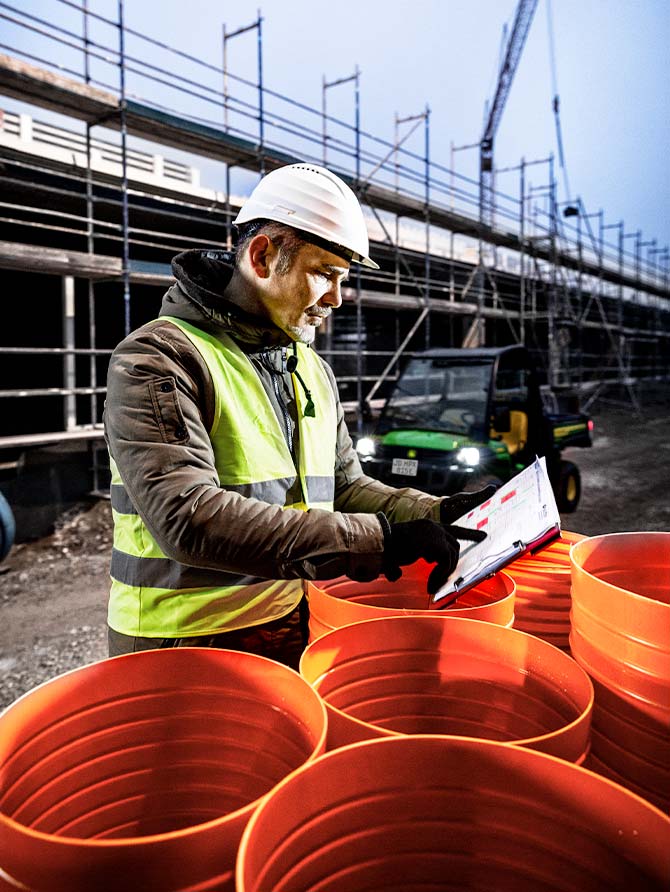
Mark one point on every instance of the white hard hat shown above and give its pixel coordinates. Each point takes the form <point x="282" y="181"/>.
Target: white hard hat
<point x="315" y="201"/>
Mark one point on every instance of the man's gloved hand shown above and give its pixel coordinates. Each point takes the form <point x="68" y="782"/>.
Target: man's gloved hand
<point x="453" y="507"/>
<point x="405" y="543"/>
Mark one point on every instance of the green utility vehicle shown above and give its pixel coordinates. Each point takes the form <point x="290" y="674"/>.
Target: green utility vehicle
<point x="458" y="419"/>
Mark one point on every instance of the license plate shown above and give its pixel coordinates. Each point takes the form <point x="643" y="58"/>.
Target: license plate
<point x="406" y="466"/>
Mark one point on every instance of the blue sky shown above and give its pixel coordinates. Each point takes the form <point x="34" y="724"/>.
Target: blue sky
<point x="611" y="64"/>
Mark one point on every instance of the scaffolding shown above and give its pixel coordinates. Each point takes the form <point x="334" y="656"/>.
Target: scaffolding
<point x="100" y="219"/>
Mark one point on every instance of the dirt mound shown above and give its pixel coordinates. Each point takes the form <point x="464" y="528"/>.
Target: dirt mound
<point x="53" y="596"/>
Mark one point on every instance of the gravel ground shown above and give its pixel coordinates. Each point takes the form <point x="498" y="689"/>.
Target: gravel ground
<point x="53" y="601"/>
<point x="53" y="592"/>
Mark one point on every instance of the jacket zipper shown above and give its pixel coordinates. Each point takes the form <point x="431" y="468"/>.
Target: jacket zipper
<point x="289" y="435"/>
<point x="284" y="412"/>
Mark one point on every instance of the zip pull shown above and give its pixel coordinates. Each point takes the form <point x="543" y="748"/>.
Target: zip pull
<point x="292" y="367"/>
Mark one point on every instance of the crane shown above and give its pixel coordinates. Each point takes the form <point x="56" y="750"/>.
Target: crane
<point x="522" y="20"/>
<point x="570" y="210"/>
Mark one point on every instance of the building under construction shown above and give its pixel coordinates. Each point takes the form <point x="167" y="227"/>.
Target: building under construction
<point x="97" y="201"/>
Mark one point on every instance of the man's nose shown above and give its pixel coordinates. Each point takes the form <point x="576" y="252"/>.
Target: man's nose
<point x="333" y="296"/>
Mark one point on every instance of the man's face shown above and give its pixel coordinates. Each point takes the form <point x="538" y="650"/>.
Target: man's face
<point x="299" y="300"/>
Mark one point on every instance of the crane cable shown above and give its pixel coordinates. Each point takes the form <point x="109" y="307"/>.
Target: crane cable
<point x="556" y="101"/>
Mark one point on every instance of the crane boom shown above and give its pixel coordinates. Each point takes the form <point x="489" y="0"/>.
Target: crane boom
<point x="522" y="19"/>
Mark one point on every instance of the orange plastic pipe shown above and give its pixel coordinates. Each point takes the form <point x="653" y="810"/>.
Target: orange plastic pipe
<point x="140" y="772"/>
<point x="339" y="602"/>
<point x="428" y="812"/>
<point x="426" y="674"/>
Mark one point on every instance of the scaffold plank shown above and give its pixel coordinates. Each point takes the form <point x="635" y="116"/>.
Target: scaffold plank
<point x="17" y="441"/>
<point x="48" y="89"/>
<point x="60" y="262"/>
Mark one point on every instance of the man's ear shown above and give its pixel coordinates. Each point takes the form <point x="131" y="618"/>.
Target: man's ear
<point x="261" y="253"/>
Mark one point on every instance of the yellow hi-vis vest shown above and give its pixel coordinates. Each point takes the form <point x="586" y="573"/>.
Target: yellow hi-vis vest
<point x="156" y="597"/>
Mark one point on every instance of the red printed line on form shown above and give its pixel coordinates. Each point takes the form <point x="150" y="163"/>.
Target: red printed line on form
<point x="482" y="523"/>
<point x="508" y="496"/>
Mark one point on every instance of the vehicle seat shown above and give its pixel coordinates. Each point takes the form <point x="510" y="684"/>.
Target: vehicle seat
<point x="516" y="437"/>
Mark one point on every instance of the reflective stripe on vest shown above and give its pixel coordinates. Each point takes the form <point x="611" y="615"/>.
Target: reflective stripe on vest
<point x="154" y="596"/>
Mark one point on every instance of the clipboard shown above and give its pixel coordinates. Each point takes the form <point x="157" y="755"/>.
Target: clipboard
<point x="520" y="518"/>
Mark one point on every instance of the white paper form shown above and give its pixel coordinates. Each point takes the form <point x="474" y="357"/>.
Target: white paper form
<point x="518" y="515"/>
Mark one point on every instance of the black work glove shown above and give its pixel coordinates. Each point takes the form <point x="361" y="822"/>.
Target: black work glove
<point x="453" y="507"/>
<point x="437" y="543"/>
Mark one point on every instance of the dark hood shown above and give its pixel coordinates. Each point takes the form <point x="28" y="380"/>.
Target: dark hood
<point x="199" y="297"/>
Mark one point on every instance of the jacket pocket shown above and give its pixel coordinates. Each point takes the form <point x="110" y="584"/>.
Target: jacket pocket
<point x="167" y="411"/>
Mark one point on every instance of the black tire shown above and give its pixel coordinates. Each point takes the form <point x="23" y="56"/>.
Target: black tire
<point x="568" y="487"/>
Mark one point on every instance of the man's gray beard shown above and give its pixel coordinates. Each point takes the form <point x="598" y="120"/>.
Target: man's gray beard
<point x="304" y="334"/>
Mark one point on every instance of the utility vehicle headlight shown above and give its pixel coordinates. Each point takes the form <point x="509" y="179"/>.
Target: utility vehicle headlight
<point x="366" y="447"/>
<point x="468" y="456"/>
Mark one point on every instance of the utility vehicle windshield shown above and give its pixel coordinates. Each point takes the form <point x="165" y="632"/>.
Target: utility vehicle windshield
<point x="440" y="395"/>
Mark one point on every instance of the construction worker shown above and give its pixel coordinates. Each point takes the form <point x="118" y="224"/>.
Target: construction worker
<point x="234" y="477"/>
